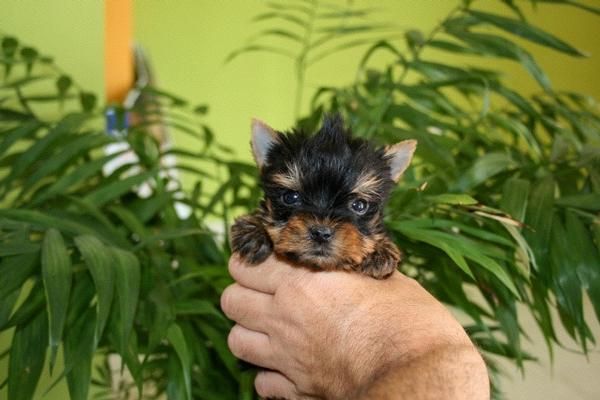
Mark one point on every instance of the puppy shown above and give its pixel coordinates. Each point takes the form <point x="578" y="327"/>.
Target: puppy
<point x="324" y="196"/>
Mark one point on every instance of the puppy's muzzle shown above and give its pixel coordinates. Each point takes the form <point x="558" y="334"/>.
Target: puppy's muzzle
<point x="320" y="233"/>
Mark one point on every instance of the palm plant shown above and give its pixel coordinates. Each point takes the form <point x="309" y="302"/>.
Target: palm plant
<point x="502" y="204"/>
<point x="91" y="267"/>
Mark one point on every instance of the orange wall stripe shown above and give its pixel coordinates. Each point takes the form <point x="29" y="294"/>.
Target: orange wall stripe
<point x="118" y="57"/>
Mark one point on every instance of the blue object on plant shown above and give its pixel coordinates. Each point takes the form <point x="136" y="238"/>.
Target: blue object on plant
<point x="117" y="122"/>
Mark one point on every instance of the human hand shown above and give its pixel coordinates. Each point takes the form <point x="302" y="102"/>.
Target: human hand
<point x="330" y="334"/>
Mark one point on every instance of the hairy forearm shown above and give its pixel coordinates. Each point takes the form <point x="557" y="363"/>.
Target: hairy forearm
<point x="451" y="373"/>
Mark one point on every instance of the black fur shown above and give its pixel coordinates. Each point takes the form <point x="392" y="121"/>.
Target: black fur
<point x="330" y="164"/>
<point x="331" y="161"/>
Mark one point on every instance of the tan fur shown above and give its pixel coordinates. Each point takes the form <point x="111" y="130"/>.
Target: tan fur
<point x="290" y="179"/>
<point x="367" y="186"/>
<point x="351" y="244"/>
<point x="347" y="250"/>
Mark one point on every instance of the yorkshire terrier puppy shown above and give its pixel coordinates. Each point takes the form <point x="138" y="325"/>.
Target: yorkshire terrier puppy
<point x="323" y="203"/>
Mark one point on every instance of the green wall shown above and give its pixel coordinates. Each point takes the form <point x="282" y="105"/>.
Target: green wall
<point x="72" y="32"/>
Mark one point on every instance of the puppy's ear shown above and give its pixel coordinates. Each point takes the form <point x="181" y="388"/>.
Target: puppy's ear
<point x="263" y="138"/>
<point x="398" y="157"/>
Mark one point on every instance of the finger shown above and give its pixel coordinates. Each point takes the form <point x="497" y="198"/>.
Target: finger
<point x="247" y="307"/>
<point x="272" y="384"/>
<point x="251" y="346"/>
<point x="264" y="277"/>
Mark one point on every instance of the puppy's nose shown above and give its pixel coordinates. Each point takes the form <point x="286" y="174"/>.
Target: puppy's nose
<point x="320" y="233"/>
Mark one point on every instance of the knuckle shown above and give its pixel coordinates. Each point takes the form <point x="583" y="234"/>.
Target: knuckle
<point x="233" y="341"/>
<point x="234" y="265"/>
<point x="261" y="385"/>
<point x="227" y="303"/>
<point x="236" y="343"/>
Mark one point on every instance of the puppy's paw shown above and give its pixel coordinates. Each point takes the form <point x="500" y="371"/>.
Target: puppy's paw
<point x="382" y="262"/>
<point x="250" y="240"/>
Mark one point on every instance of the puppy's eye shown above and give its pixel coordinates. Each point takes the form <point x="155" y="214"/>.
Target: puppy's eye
<point x="359" y="206"/>
<point x="291" y="198"/>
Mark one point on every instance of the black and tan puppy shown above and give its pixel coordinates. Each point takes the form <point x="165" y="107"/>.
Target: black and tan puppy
<point x="324" y="196"/>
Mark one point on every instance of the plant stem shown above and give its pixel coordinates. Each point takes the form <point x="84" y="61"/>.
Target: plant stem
<point x="416" y="53"/>
<point x="431" y="36"/>
<point x="300" y="74"/>
<point x="300" y="65"/>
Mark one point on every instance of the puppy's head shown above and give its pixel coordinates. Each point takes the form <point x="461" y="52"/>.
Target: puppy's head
<point x="324" y="193"/>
